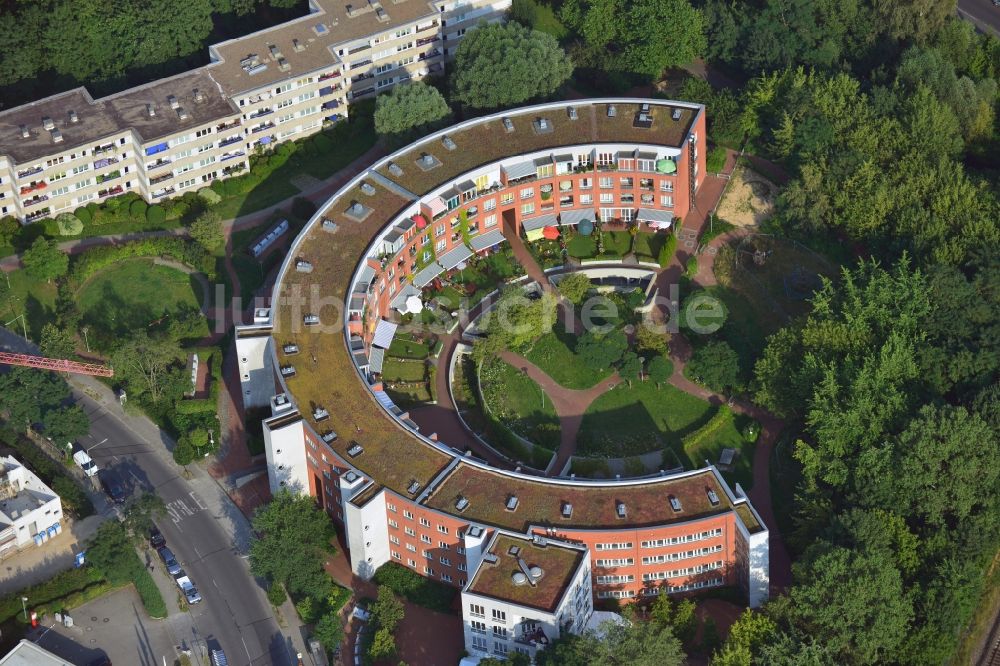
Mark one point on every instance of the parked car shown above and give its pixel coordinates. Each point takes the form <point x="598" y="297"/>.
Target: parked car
<point x="188" y="588"/>
<point x="112" y="485"/>
<point x="88" y="466"/>
<point x="167" y="555"/>
<point x="156" y="539"/>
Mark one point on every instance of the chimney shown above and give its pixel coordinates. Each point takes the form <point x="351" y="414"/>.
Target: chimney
<point x="25" y="132"/>
<point x="47" y="123"/>
<point x="199" y="96"/>
<point x="172" y="100"/>
<point x="73" y="118"/>
<point x="150" y="110"/>
<point x="56" y="136"/>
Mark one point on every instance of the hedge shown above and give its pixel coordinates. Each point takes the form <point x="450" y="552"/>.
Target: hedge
<point x="195" y="406"/>
<point x="52" y="473"/>
<point x="60" y="586"/>
<point x="155" y="214"/>
<point x="83" y="214"/>
<point x="184" y="251"/>
<point x="150" y="595"/>
<point x="138" y="208"/>
<point x="414" y="587"/>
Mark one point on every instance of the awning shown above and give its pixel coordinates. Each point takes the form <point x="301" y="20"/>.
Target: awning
<point x="624" y="155"/>
<point x="436" y="206"/>
<point x="489" y="239"/>
<point x="652" y="215"/>
<point x="466" y="186"/>
<point x="358" y="301"/>
<point x="666" y="166"/>
<point x="375" y="359"/>
<point x="574" y="217"/>
<point x="398" y="301"/>
<point x="520" y="170"/>
<point x="384" y="333"/>
<point x="364" y="279"/>
<point x="559" y="159"/>
<point x="429" y="272"/>
<point x="642" y="155"/>
<point x="454" y="257"/>
<point x="533" y="223"/>
<point x="450" y="194"/>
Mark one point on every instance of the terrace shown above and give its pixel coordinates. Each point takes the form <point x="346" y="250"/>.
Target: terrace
<point x="558" y="564"/>
<point x="593" y="506"/>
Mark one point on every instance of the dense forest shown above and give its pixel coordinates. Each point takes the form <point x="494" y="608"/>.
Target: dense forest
<point x="50" y="46"/>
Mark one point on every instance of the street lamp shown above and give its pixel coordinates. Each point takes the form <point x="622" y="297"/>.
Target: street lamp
<point x="24" y="607"/>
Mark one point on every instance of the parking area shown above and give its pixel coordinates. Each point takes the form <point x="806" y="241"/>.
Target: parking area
<point x="115" y="626"/>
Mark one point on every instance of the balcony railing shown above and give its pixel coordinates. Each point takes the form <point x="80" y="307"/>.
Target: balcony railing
<point x="169" y="190"/>
<point x="157" y="164"/>
<point x="261" y="128"/>
<point x="101" y="150"/>
<point x="359" y="49"/>
<point x="432" y="24"/>
<point x="430" y="54"/>
<point x="160" y="179"/>
<point x="27" y="189"/>
<point x="427" y="40"/>
<point x="105" y="177"/>
<point x="361" y="63"/>
<point x="29" y="172"/>
<point x="329" y="75"/>
<point x="230" y="170"/>
<point x="231" y="140"/>
<point x="34" y="201"/>
<point x="229" y="156"/>
<point x="31" y="217"/>
<point x="260" y="113"/>
<point x="227" y="126"/>
<point x="329" y="90"/>
<point x="118" y="189"/>
<point x="107" y="161"/>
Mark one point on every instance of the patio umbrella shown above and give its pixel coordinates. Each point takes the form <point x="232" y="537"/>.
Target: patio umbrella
<point x="550" y="233"/>
<point x="420" y="220"/>
<point x="414" y="304"/>
<point x="586" y="227"/>
<point x="666" y="166"/>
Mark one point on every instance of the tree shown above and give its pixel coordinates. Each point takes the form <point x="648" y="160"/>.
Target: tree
<point x="207" y="230"/>
<point x="575" y="287"/>
<point x="293" y="542"/>
<point x="113" y="554"/>
<point x="387" y="610"/>
<point x="854" y="602"/>
<point x="383" y="645"/>
<point x="504" y="64"/>
<point x="409" y="106"/>
<point x="8" y="229"/>
<point x="141" y="513"/>
<point x="57" y="343"/>
<point x="642" y="36"/>
<point x="601" y="351"/>
<point x="716" y="365"/>
<point x="143" y="363"/>
<point x="515" y="322"/>
<point x="183" y="452"/>
<point x="44" y="260"/>
<point x="329" y="631"/>
<point x="660" y="369"/>
<point x="65" y="424"/>
<point x="746" y="636"/>
<point x="630" y="367"/>
<point x="648" y="339"/>
<point x="26" y="394"/>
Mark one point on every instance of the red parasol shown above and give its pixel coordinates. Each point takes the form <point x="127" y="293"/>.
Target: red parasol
<point x="551" y="233"/>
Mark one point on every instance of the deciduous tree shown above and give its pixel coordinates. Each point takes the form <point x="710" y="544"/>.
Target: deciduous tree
<point x="407" y="107"/>
<point x="44" y="261"/>
<point x="207" y="230"/>
<point x="601" y="351"/>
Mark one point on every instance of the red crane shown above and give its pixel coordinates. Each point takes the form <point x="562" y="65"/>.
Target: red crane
<point x="56" y="364"/>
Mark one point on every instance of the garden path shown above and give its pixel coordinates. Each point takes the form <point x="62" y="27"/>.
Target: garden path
<point x="570" y="404"/>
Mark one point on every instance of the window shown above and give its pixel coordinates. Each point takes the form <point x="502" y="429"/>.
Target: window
<point x="667" y="201"/>
<point x="489" y="204"/>
<point x="478" y="627"/>
<point x="445" y="561"/>
<point x="604" y="159"/>
<point x="586" y="199"/>
<point x="444" y="545"/>
<point x="616" y="594"/>
<point x="429" y="571"/>
<point x="428" y="555"/>
<point x="527" y="192"/>
<point x="490" y="221"/>
<point x="441" y="245"/>
<point x="667" y="185"/>
<point x="506" y="198"/>
<point x="607" y="198"/>
<point x="479" y="643"/>
<point x="499" y="648"/>
<point x="390" y="507"/>
<point x="546" y="171"/>
<point x="393" y="524"/>
<point x="460" y="550"/>
<point x="619" y="562"/>
<point x="423" y="521"/>
<point x="285" y="102"/>
<point x="477" y="611"/>
<point x="499" y="615"/>
<point x="412" y="563"/>
<point x="607" y="183"/>
<point x="426" y="539"/>
<point x="410" y="547"/>
<point x="586" y="183"/>
<point x="612" y="580"/>
<point x="396" y="556"/>
<point x="500" y="631"/>
<point x="407" y="514"/>
<point x="527" y="209"/>
<point x="410" y="531"/>
<point x="283" y="88"/>
<point x="482" y="182"/>
<point x="439" y="230"/>
<point x="80" y="168"/>
<point x="462" y="567"/>
<point x="620" y="545"/>
<point x="394" y="539"/>
<point x="442" y="529"/>
<point x="446" y="578"/>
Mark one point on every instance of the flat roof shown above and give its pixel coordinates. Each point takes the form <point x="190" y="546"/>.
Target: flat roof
<point x="27" y="653"/>
<point x="112" y="115"/>
<point x="316" y="33"/>
<point x="558" y="563"/>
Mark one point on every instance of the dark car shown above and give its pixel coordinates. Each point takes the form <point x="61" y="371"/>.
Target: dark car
<point x="156" y="539"/>
<point x="112" y="485"/>
<point x="167" y="555"/>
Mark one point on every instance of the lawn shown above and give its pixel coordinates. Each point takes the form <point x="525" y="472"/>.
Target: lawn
<point x="634" y="420"/>
<point x="553" y="353"/>
<point x="394" y="370"/>
<point x="648" y="246"/>
<point x="724" y="430"/>
<point x="616" y="245"/>
<point x="23" y="295"/>
<point x="404" y="346"/>
<point x="411" y="396"/>
<point x="519" y="403"/>
<point x="133" y="294"/>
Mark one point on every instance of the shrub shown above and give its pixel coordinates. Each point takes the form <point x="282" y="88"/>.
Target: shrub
<point x="324" y="144"/>
<point x="72" y="496"/>
<point x="667" y="251"/>
<point x="58" y="587"/>
<point x="150" y="595"/>
<point x="155" y="214"/>
<point x="137" y="209"/>
<point x="69" y="224"/>
<point x="302" y="208"/>
<point x="209" y="195"/>
<point x="184" y="251"/>
<point x="183" y="451"/>
<point x="414" y="587"/>
<point x="715" y="161"/>
<point x="83" y="214"/>
<point x="308" y="610"/>
<point x="178" y="209"/>
<point x="276" y="594"/>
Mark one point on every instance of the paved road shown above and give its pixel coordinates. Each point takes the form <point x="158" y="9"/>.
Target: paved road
<point x="207" y="534"/>
<point x="982" y="13"/>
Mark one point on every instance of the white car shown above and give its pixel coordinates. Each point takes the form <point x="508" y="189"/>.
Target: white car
<point x="188" y="588"/>
<point x="88" y="466"/>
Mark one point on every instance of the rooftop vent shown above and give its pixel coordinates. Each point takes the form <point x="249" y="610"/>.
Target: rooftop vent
<point x="620" y="509"/>
<point x="427" y="159"/>
<point x="182" y="113"/>
<point x="281" y="399"/>
<point x="490" y="557"/>
<point x="310" y="320"/>
<point x="329" y="436"/>
<point x="539" y="541"/>
<point x="73" y="118"/>
<point x="676" y="114"/>
<point x="567" y="510"/>
<point x="381" y="15"/>
<point x="172" y="101"/>
<point x="275" y="52"/>
<point x="413" y="487"/>
<point x="288" y="371"/>
<point x="25" y="132"/>
<point x="329" y="225"/>
<point x="290" y="348"/>
<point x="712" y="497"/>
<point x="514" y="551"/>
<point x="353" y="11"/>
<point x="151" y="110"/>
<point x="355" y="450"/>
<point x="350" y="477"/>
<point x="297" y="46"/>
<point x="512" y="503"/>
<point x="532" y="574"/>
<point x="199" y="96"/>
<point x="508" y="124"/>
<point x="542" y="126"/>
<point x="675" y="504"/>
<point x="366" y="188"/>
<point x="319" y="413"/>
<point x="571" y="112"/>
<point x="303" y="266"/>
<point x="612" y="111"/>
<point x="519" y="579"/>
<point x="395" y="169"/>
<point x="48" y="123"/>
<point x="462" y="503"/>
<point x="448" y="143"/>
<point x="56" y="136"/>
<point x="283" y="65"/>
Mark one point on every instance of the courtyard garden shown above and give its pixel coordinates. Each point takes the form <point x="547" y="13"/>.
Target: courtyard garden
<point x="408" y="372"/>
<point x="518" y="402"/>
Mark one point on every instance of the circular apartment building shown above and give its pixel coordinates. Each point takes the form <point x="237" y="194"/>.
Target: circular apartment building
<point x="531" y="553"/>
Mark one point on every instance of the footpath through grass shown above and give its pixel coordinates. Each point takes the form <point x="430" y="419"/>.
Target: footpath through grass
<point x="518" y="402"/>
<point x="555" y="354"/>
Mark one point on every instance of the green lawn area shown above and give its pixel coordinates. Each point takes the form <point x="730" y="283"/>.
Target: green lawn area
<point x="404" y="346"/>
<point x="519" y="403"/>
<point x="648" y="246"/>
<point x="132" y="294"/>
<point x="553" y="353"/>
<point x="450" y="297"/>
<point x="394" y="370"/>
<point x="616" y="245"/>
<point x="631" y="421"/>
<point x="723" y="431"/>
<point x="25" y="295"/>
<point x="413" y="396"/>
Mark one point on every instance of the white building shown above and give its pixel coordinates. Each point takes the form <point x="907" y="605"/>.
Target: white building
<point x="27" y="653"/>
<point x="524" y="594"/>
<point x="29" y="510"/>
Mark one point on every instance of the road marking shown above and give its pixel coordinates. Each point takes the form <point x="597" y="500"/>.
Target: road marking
<point x="196" y="552"/>
<point x="215" y="584"/>
<point x="245" y="646"/>
<point x="197" y="501"/>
